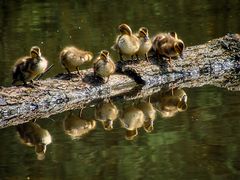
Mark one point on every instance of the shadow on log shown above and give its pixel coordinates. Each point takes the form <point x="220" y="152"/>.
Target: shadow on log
<point x="216" y="62"/>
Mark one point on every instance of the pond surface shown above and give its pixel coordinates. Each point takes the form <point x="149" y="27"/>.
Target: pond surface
<point x="195" y="140"/>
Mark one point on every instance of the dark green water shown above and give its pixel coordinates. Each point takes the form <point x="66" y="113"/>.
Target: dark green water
<point x="199" y="143"/>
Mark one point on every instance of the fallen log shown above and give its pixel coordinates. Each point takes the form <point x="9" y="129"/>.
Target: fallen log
<point x="215" y="62"/>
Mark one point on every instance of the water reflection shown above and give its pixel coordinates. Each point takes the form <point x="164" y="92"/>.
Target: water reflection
<point x="169" y="102"/>
<point x="106" y="112"/>
<point x="149" y="112"/>
<point x="76" y="127"/>
<point x="131" y="119"/>
<point x="31" y="134"/>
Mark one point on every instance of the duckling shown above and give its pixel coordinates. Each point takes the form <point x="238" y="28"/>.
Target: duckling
<point x="103" y="66"/>
<point x="168" y="44"/>
<point x="126" y="43"/>
<point x="29" y="67"/>
<point x="31" y="134"/>
<point x="149" y="113"/>
<point x="107" y="113"/>
<point x="71" y="58"/>
<point x="76" y="127"/>
<point x="132" y="118"/>
<point x="168" y="103"/>
<point x="145" y="43"/>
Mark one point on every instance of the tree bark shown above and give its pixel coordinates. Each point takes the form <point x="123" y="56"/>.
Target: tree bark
<point x="215" y="62"/>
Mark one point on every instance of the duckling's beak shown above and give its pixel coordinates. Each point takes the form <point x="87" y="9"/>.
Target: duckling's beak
<point x="146" y="38"/>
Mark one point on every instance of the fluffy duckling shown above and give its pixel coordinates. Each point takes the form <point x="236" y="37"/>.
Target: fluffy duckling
<point x="29" y="67"/>
<point x="168" y="103"/>
<point x="145" y="43"/>
<point x="126" y="43"/>
<point x="76" y="127"/>
<point x="31" y="134"/>
<point x="168" y="45"/>
<point x="149" y="113"/>
<point x="103" y="66"/>
<point x="132" y="118"/>
<point x="107" y="113"/>
<point x="71" y="58"/>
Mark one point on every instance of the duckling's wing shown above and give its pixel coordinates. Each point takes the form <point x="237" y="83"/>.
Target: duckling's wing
<point x="115" y="46"/>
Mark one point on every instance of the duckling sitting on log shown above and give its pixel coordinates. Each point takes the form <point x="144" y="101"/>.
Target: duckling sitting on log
<point x="145" y="43"/>
<point x="71" y="58"/>
<point x="29" y="67"/>
<point x="126" y="43"/>
<point x="168" y="45"/>
<point x="104" y="66"/>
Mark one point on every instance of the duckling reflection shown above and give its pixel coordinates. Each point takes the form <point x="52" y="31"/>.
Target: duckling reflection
<point x="149" y="113"/>
<point x="107" y="113"/>
<point x="31" y="134"/>
<point x="76" y="127"/>
<point x="168" y="103"/>
<point x="131" y="119"/>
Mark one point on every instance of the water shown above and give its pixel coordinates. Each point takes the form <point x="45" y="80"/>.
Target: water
<point x="199" y="143"/>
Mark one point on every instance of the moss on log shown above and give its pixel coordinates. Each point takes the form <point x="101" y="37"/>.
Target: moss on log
<point x="216" y="62"/>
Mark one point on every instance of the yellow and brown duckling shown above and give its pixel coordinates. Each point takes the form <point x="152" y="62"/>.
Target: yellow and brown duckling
<point x="168" y="103"/>
<point x="168" y="45"/>
<point x="103" y="65"/>
<point x="150" y="114"/>
<point x="29" y="67"/>
<point x="131" y="119"/>
<point x="107" y="113"/>
<point x="145" y="43"/>
<point x="71" y="58"/>
<point x="126" y="43"/>
<point x="76" y="127"/>
<point x="31" y="134"/>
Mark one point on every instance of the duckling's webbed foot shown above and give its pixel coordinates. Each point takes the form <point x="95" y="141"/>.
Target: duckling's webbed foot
<point x="120" y="56"/>
<point x="169" y="61"/>
<point x="146" y="57"/>
<point x="28" y="85"/>
<point x="132" y="57"/>
<point x="137" y="57"/>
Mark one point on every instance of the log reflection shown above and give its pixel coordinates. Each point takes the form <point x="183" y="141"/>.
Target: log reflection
<point x="31" y="134"/>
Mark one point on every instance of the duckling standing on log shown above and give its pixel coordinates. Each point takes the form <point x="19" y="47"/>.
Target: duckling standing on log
<point x="126" y="43"/>
<point x="168" y="45"/>
<point x="71" y="58"/>
<point x="145" y="43"/>
<point x="29" y="67"/>
<point x="103" y="66"/>
<point x="107" y="113"/>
